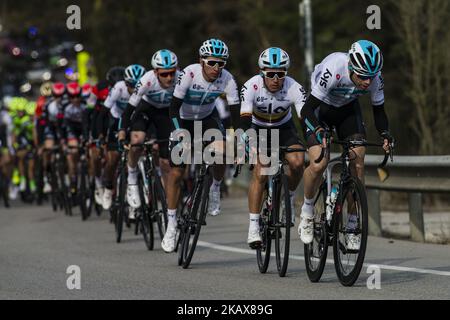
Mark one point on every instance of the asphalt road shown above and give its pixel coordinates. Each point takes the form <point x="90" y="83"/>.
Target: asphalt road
<point x="37" y="246"/>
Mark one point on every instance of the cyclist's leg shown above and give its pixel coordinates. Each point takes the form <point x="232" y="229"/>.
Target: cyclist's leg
<point x="352" y="128"/>
<point x="139" y="125"/>
<point x="72" y="158"/>
<point x="112" y="161"/>
<point x="162" y="124"/>
<point x="21" y="155"/>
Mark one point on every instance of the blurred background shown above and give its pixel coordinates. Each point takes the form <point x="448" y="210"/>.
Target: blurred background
<point x="37" y="46"/>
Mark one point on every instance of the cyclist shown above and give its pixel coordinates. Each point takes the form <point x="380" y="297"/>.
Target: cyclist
<point x="197" y="88"/>
<point x="115" y="104"/>
<point x="76" y="126"/>
<point x="337" y="82"/>
<point x="266" y="101"/>
<point x="95" y="104"/>
<point x="52" y="121"/>
<point x="23" y="143"/>
<point x="150" y="103"/>
<point x="6" y="148"/>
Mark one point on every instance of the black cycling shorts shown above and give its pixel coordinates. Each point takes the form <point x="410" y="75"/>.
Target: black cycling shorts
<point x="347" y="120"/>
<point x="288" y="134"/>
<point x="154" y="122"/>
<point x="210" y="122"/>
<point x="74" y="131"/>
<point x="113" y="128"/>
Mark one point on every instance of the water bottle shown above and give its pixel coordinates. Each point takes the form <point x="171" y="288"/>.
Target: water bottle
<point x="331" y="201"/>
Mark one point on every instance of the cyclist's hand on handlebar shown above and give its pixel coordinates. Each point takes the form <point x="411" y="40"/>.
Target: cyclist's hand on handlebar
<point x="388" y="141"/>
<point x="320" y="136"/>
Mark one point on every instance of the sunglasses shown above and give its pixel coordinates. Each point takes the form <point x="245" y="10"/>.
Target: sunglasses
<point x="366" y="77"/>
<point x="273" y="74"/>
<point x="166" y="74"/>
<point x="74" y="97"/>
<point x="213" y="63"/>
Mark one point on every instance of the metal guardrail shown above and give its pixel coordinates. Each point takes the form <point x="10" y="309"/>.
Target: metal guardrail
<point x="414" y="175"/>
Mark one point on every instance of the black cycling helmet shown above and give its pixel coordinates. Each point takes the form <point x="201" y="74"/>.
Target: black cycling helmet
<point x="115" y="75"/>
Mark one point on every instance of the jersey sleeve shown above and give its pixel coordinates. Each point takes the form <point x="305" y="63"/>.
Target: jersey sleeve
<point x="247" y="96"/>
<point x="298" y="96"/>
<point x="377" y="91"/>
<point x="323" y="80"/>
<point x="113" y="97"/>
<point x="183" y="83"/>
<point x="141" y="89"/>
<point x="232" y="92"/>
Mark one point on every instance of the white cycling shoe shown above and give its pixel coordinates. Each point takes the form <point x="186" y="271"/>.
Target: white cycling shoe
<point x="169" y="242"/>
<point x="99" y="195"/>
<point x="133" y="198"/>
<point x="47" y="187"/>
<point x="306" y="229"/>
<point x="254" y="239"/>
<point x="214" y="202"/>
<point x="107" y="199"/>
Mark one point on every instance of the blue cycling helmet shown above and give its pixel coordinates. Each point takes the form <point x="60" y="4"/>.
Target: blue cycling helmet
<point x="134" y="73"/>
<point x="275" y="58"/>
<point x="164" y="59"/>
<point x="214" y="48"/>
<point x="365" y="58"/>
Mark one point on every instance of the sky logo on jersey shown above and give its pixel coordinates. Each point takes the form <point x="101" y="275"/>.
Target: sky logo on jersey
<point x="160" y="97"/>
<point x="198" y="98"/>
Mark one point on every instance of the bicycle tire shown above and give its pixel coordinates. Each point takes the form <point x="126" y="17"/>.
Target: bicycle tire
<point x="145" y="220"/>
<point x="282" y="225"/>
<point x="349" y="279"/>
<point x="84" y="193"/>
<point x="198" y="214"/>
<point x="263" y="253"/>
<point x="320" y="238"/>
<point x="120" y="213"/>
<point x="159" y="205"/>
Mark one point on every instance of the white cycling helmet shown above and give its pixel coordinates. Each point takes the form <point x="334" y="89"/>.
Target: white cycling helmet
<point x="365" y="58"/>
<point x="164" y="59"/>
<point x="275" y="58"/>
<point x="214" y="48"/>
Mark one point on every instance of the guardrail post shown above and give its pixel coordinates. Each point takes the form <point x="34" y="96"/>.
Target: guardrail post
<point x="373" y="201"/>
<point x="416" y="217"/>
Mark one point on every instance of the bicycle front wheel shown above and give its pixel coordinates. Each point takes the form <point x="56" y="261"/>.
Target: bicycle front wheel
<point x="350" y="232"/>
<point x="316" y="252"/>
<point x="283" y="217"/>
<point x="197" y="217"/>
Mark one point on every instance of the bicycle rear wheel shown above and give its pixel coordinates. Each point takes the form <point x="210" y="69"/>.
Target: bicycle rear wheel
<point x="84" y="196"/>
<point x="351" y="221"/>
<point x="122" y="205"/>
<point x="197" y="217"/>
<point x="316" y="252"/>
<point x="145" y="222"/>
<point x="283" y="217"/>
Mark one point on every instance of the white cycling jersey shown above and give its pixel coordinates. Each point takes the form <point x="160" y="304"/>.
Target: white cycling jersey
<point x="149" y="89"/>
<point x="118" y="99"/>
<point x="331" y="83"/>
<point x="199" y="96"/>
<point x="53" y="109"/>
<point x="74" y="113"/>
<point x="7" y="123"/>
<point x="271" y="109"/>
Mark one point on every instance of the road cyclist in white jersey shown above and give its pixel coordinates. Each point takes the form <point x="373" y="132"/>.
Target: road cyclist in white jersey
<point x="336" y="84"/>
<point x="149" y="104"/>
<point x="266" y="101"/>
<point x="196" y="91"/>
<point x="115" y="105"/>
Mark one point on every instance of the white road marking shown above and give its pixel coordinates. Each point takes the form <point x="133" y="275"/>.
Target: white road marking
<point x="329" y="261"/>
